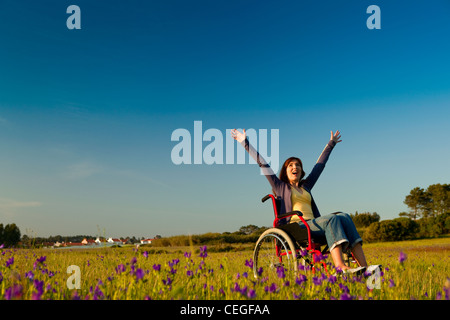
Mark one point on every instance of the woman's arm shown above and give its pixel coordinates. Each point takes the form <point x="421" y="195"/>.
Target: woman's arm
<point x="241" y="137"/>
<point x="312" y="178"/>
<point x="334" y="139"/>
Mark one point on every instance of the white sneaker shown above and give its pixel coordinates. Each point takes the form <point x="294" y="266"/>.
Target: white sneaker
<point x="355" y="271"/>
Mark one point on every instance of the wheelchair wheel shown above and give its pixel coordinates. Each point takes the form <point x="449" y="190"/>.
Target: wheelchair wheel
<point x="274" y="249"/>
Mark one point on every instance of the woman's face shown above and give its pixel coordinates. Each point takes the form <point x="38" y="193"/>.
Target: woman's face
<point x="294" y="171"/>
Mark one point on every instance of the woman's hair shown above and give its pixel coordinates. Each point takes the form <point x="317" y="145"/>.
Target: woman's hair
<point x="283" y="174"/>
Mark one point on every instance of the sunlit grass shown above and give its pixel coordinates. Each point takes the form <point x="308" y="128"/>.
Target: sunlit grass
<point x="410" y="270"/>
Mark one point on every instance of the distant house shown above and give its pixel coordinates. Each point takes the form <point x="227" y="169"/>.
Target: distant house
<point x="114" y="241"/>
<point x="88" y="241"/>
<point x="146" y="241"/>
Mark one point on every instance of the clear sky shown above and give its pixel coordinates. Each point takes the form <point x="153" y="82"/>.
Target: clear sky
<point x="86" y="116"/>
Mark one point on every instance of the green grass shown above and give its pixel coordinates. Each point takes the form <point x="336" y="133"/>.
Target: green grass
<point x="180" y="273"/>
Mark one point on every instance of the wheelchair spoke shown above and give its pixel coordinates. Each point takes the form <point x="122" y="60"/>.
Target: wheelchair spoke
<point x="273" y="250"/>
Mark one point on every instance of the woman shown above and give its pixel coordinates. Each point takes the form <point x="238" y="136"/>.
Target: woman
<point x="295" y="193"/>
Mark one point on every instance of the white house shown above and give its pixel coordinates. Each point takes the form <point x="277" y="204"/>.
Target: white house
<point x="146" y="241"/>
<point x="114" y="241"/>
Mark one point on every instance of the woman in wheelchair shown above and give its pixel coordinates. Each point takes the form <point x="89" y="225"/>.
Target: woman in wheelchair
<point x="294" y="191"/>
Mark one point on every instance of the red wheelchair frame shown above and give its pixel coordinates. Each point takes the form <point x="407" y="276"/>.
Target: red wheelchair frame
<point x="312" y="247"/>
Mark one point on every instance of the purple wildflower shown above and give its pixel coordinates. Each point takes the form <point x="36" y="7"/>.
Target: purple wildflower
<point x="344" y="288"/>
<point x="319" y="257"/>
<point x="133" y="261"/>
<point x="39" y="285"/>
<point x="120" y="268"/>
<point x="75" y="295"/>
<point x="173" y="262"/>
<point x="187" y="255"/>
<point x="189" y="273"/>
<point x="300" y="279"/>
<point x="259" y="271"/>
<point x="98" y="293"/>
<point x="317" y="281"/>
<point x="391" y="283"/>
<point x="249" y="263"/>
<point x="244" y="291"/>
<point x="332" y="279"/>
<point x="15" y="291"/>
<point x="401" y="257"/>
<point x="280" y="272"/>
<point x="157" y="267"/>
<point x="139" y="274"/>
<point x="297" y="297"/>
<point x="251" y="294"/>
<point x="273" y="288"/>
<point x="203" y="252"/>
<point x="346" y="296"/>
<point x="145" y="254"/>
<point x="167" y="281"/>
<point x="41" y="259"/>
<point x="9" y="262"/>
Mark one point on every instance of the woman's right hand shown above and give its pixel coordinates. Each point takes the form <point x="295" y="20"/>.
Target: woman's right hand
<point x="238" y="136"/>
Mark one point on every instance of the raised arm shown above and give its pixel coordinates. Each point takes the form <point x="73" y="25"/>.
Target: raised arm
<point x="312" y="178"/>
<point x="241" y="137"/>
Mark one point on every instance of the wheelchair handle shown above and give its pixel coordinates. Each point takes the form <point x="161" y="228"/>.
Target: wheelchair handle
<point x="288" y="214"/>
<point x="284" y="215"/>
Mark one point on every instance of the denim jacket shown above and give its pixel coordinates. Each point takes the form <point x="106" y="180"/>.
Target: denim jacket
<point x="282" y="189"/>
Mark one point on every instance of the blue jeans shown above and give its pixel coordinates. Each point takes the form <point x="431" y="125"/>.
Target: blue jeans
<point x="336" y="229"/>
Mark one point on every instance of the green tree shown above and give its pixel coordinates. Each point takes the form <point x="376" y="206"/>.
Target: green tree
<point x="391" y="230"/>
<point x="9" y="235"/>
<point x="418" y="201"/>
<point x="439" y="196"/>
<point x="248" y="229"/>
<point x="1" y="233"/>
<point x="365" y="219"/>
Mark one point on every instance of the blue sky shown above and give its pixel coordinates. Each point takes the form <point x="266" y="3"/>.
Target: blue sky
<point x="86" y="116"/>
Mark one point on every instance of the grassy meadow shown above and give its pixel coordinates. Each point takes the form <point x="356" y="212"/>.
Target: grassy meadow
<point x="418" y="269"/>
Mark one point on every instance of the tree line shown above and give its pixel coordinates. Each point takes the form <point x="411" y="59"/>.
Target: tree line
<point x="9" y="235"/>
<point x="428" y="216"/>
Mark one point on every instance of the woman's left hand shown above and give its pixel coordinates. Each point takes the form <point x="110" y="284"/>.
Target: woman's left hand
<point x="336" y="136"/>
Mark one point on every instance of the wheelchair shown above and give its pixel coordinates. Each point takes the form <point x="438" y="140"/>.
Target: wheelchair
<point x="290" y="245"/>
